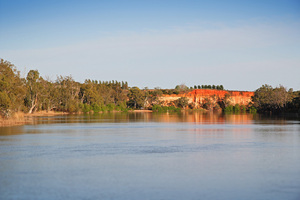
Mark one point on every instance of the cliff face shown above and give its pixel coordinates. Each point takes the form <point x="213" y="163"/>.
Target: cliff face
<point x="200" y="96"/>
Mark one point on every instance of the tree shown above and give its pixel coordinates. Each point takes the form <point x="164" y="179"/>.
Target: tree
<point x="136" y="98"/>
<point x="268" y="99"/>
<point x="68" y="93"/>
<point x="33" y="93"/>
<point x="182" y="102"/>
<point x="154" y="95"/>
<point x="12" y="89"/>
<point x="181" y="87"/>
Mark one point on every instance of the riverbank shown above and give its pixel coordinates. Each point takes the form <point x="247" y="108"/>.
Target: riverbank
<point x="19" y="119"/>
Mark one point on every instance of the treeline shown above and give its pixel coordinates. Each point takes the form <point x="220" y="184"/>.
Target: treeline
<point x="179" y="89"/>
<point x="276" y="100"/>
<point x="34" y="93"/>
<point x="215" y="87"/>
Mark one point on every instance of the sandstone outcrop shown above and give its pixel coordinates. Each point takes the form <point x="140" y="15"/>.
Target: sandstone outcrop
<point x="200" y="96"/>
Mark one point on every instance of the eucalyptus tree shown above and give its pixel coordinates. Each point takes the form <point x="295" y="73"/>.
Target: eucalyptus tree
<point x="33" y="90"/>
<point x="12" y="89"/>
<point x="68" y="93"/>
<point x="136" y="98"/>
<point x="268" y="99"/>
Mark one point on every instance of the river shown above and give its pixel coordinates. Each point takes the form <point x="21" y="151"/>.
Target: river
<point x="151" y="156"/>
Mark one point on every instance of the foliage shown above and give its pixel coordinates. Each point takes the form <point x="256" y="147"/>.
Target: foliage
<point x="181" y="87"/>
<point x="182" y="102"/>
<point x="268" y="99"/>
<point x="136" y="98"/>
<point x="12" y="89"/>
<point x="33" y="83"/>
<point x="34" y="93"/>
<point x="252" y="110"/>
<point x="236" y="108"/>
<point x="214" y="87"/>
<point x="228" y="109"/>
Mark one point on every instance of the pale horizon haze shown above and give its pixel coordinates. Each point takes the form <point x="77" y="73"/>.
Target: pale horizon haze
<point x="239" y="44"/>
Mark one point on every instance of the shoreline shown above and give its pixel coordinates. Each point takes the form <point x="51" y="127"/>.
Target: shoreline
<point x="19" y="119"/>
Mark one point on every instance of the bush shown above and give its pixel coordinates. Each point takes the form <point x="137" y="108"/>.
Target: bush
<point x="243" y="108"/>
<point x="85" y="108"/>
<point x="252" y="110"/>
<point x="96" y="108"/>
<point x="236" y="108"/>
<point x="122" y="106"/>
<point x="110" y="106"/>
<point x="228" y="109"/>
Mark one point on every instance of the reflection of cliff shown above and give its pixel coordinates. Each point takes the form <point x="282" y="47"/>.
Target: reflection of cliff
<point x="201" y="118"/>
<point x="200" y="96"/>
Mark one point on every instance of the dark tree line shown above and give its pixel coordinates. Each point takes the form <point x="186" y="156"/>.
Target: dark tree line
<point x="215" y="87"/>
<point x="276" y="100"/>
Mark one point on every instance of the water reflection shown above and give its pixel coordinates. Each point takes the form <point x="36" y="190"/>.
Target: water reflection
<point x="183" y="117"/>
<point x="195" y="117"/>
<point x="151" y="156"/>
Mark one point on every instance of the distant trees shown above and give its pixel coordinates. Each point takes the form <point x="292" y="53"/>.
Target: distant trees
<point x="268" y="99"/>
<point x="214" y="87"/>
<point x="181" y="87"/>
<point x="34" y="93"/>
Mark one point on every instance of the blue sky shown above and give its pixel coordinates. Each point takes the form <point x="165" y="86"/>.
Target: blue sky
<point x="239" y="44"/>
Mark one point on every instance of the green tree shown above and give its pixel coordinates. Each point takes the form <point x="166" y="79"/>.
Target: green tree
<point x="268" y="99"/>
<point x="182" y="102"/>
<point x="12" y="89"/>
<point x="136" y="98"/>
<point x="68" y="94"/>
<point x="33" y="91"/>
<point x="181" y="87"/>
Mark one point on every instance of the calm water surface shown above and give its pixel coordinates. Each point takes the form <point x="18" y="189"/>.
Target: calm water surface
<point x="151" y="156"/>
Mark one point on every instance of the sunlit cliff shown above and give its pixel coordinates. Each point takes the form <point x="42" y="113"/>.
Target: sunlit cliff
<point x="200" y="96"/>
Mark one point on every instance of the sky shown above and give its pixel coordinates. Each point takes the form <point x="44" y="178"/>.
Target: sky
<point x="241" y="45"/>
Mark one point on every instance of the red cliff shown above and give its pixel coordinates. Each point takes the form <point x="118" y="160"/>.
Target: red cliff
<point x="200" y="96"/>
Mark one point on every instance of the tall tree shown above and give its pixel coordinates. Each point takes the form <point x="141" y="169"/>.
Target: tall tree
<point x="12" y="89"/>
<point x="136" y="98"/>
<point x="33" y="85"/>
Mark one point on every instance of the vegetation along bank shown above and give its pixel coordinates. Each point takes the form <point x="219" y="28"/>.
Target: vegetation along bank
<point x="34" y="93"/>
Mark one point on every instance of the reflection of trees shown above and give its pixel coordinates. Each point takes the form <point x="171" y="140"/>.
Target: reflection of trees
<point x="117" y="117"/>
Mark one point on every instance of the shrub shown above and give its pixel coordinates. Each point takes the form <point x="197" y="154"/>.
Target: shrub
<point x="85" y="108"/>
<point x="252" y="110"/>
<point x="228" y="109"/>
<point x="96" y="108"/>
<point x="236" y="108"/>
